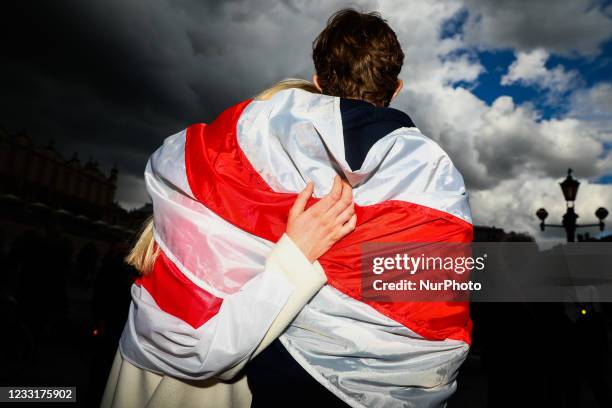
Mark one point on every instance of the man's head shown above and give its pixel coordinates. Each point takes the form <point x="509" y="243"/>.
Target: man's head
<point x="358" y="56"/>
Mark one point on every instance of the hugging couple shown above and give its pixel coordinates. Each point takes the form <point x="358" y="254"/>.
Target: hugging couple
<point x="249" y="291"/>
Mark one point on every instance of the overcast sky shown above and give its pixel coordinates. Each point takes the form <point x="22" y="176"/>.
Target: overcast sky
<point x="515" y="91"/>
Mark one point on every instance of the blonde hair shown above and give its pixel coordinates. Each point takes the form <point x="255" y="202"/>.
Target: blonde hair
<point x="145" y="251"/>
<point x="288" y="83"/>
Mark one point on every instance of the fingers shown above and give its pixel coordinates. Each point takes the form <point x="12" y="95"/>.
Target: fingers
<point x="346" y="200"/>
<point x="336" y="190"/>
<point x="331" y="198"/>
<point x="345" y="215"/>
<point x="302" y="199"/>
<point x="348" y="227"/>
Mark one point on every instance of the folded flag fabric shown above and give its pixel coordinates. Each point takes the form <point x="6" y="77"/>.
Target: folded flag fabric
<point x="221" y="194"/>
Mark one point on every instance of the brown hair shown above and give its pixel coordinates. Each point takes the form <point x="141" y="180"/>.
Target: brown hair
<point x="358" y="56"/>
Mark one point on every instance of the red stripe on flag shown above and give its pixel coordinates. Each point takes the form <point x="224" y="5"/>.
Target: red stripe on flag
<point x="222" y="178"/>
<point x="175" y="294"/>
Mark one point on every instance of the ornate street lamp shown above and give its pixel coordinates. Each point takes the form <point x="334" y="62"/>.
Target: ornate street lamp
<point x="569" y="187"/>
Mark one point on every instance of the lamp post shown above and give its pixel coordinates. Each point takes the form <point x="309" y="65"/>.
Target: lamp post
<point x="569" y="187"/>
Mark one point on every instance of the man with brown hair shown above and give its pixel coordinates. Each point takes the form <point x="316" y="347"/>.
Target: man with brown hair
<point x="358" y="56"/>
<point x="335" y="352"/>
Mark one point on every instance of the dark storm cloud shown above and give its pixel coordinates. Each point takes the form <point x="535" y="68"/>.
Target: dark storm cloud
<point x="111" y="79"/>
<point x="71" y="75"/>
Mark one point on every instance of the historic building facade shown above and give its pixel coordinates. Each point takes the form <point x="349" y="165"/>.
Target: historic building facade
<point x="46" y="198"/>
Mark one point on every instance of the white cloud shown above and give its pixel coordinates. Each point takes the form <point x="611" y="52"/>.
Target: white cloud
<point x="513" y="140"/>
<point x="594" y="106"/>
<point x="530" y="69"/>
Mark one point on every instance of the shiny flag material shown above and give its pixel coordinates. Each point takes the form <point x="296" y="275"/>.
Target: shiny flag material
<point x="221" y="194"/>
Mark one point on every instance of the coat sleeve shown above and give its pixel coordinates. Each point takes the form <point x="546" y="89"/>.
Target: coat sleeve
<point x="306" y="280"/>
<point x="245" y="323"/>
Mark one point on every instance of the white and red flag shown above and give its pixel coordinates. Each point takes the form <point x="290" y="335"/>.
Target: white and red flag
<point x="221" y="195"/>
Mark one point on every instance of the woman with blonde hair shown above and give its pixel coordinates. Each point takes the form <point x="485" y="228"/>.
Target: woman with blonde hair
<point x="170" y="355"/>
